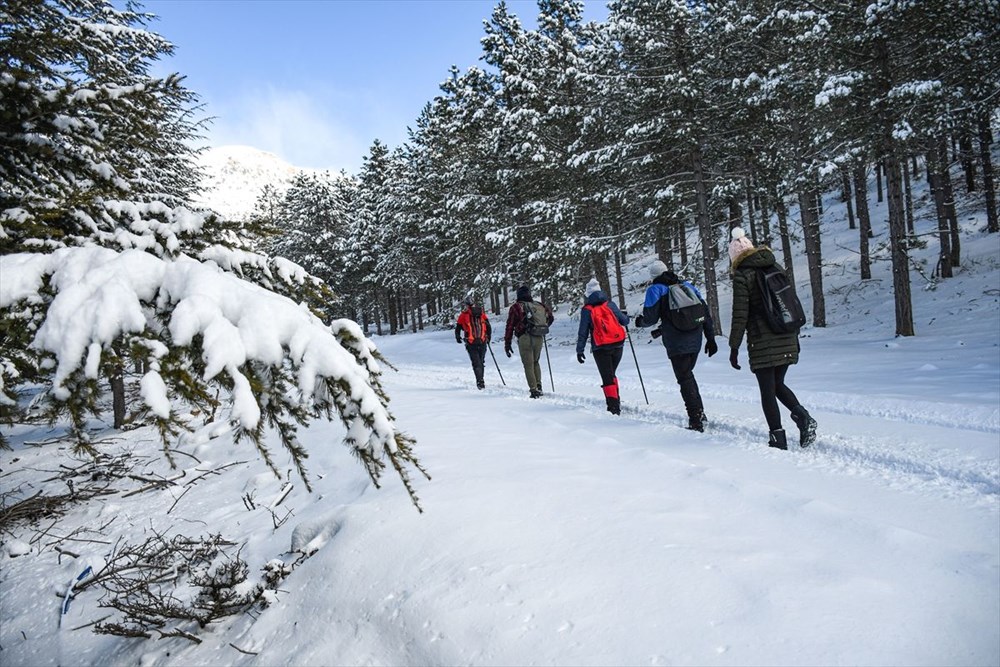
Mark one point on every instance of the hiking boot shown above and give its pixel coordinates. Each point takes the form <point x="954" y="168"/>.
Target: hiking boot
<point x="806" y="424"/>
<point x="535" y="393"/>
<point x="696" y="422"/>
<point x="777" y="439"/>
<point x="480" y="384"/>
<point x="614" y="405"/>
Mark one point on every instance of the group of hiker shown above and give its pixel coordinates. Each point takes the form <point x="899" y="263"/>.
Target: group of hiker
<point x="682" y="320"/>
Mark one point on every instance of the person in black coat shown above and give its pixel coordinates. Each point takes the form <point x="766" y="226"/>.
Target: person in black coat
<point x="682" y="347"/>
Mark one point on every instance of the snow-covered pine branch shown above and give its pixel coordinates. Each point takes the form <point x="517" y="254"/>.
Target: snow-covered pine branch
<point x="199" y="332"/>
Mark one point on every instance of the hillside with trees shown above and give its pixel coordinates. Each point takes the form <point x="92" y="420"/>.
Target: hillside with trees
<point x="664" y="127"/>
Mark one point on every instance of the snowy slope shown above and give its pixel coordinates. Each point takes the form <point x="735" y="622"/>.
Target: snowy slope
<point x="236" y="175"/>
<point x="557" y="534"/>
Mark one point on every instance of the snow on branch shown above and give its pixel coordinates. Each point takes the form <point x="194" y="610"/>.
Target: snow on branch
<point x="277" y="362"/>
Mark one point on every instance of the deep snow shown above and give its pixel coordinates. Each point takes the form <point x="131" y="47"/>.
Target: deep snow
<point x="557" y="534"/>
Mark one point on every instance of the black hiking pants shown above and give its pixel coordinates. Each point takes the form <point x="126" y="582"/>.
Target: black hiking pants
<point x="607" y="360"/>
<point x="684" y="372"/>
<point x="771" y="382"/>
<point x="477" y="355"/>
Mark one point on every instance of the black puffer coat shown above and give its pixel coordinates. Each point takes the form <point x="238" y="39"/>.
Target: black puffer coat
<point x="765" y="348"/>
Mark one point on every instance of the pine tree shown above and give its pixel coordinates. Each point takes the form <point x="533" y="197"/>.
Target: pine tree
<point x="106" y="268"/>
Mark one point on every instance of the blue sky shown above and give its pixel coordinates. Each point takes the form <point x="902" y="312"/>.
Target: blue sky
<point x="316" y="81"/>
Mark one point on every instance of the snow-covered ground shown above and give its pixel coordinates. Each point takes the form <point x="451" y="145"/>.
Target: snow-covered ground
<point x="554" y="533"/>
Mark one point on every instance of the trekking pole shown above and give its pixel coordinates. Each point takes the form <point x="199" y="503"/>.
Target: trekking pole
<point x="490" y="348"/>
<point x="629" y="334"/>
<point x="545" y="342"/>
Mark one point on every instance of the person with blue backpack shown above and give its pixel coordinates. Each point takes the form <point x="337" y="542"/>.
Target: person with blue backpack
<point x="604" y="324"/>
<point x="684" y="318"/>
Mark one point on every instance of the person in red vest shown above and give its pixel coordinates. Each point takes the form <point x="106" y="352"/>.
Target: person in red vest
<point x="603" y="322"/>
<point x="474" y="326"/>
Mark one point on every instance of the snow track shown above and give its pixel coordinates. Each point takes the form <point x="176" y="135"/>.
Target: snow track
<point x="902" y="459"/>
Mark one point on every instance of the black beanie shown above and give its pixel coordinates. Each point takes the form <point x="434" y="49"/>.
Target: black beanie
<point x="524" y="293"/>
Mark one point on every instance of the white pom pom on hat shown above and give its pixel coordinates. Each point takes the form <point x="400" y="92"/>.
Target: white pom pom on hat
<point x="740" y="247"/>
<point x="592" y="287"/>
<point x="656" y="269"/>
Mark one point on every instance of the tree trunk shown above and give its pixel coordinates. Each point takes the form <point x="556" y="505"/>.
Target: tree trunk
<point x="908" y="194"/>
<point x="765" y="220"/>
<point x="878" y="182"/>
<point x="808" y="196"/>
<point x="390" y="298"/>
<point x="864" y="220"/>
<point x="786" y="241"/>
<point x="989" y="189"/>
<point x="900" y="254"/>
<point x="949" y="211"/>
<point x="599" y="264"/>
<point x="704" y="220"/>
<point x="618" y="279"/>
<point x="750" y="212"/>
<point x="967" y="155"/>
<point x="116" y="378"/>
<point x="663" y="245"/>
<point x="680" y="241"/>
<point x="845" y="196"/>
<point x="934" y="160"/>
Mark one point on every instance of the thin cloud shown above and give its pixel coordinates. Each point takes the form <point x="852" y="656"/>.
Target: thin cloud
<point x="302" y="128"/>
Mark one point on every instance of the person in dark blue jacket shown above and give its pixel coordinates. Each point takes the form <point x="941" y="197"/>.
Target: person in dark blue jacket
<point x="603" y="323"/>
<point x="682" y="347"/>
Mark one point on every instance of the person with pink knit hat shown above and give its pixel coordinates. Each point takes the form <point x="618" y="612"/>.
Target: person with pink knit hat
<point x="770" y="353"/>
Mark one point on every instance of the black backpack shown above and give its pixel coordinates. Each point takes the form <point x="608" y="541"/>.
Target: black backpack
<point x="535" y="321"/>
<point x="782" y="308"/>
<point x="685" y="311"/>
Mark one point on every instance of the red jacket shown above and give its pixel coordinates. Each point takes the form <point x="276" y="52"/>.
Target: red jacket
<point x="475" y="329"/>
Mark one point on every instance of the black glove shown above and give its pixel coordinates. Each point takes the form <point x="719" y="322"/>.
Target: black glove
<point x="734" y="358"/>
<point x="711" y="346"/>
<point x="656" y="333"/>
<point x="639" y="321"/>
<point x="457" y="339"/>
<point x="580" y="357"/>
<point x="508" y="351"/>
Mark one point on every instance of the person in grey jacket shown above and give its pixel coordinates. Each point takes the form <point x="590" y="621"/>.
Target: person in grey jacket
<point x="770" y="353"/>
<point x="607" y="343"/>
<point x="682" y="347"/>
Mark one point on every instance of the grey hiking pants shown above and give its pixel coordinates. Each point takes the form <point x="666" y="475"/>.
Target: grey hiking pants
<point x="530" y="348"/>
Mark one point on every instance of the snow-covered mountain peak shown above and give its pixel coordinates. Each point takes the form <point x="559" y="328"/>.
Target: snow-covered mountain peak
<point x="236" y="175"/>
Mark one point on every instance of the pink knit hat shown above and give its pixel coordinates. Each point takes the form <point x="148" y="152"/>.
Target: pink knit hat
<point x="739" y="248"/>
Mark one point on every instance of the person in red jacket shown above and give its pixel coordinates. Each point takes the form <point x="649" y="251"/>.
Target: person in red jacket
<point x="604" y="324"/>
<point x="474" y="326"/>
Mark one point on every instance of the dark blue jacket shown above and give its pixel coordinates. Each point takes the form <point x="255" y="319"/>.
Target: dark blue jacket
<point x="585" y="332"/>
<point x="677" y="342"/>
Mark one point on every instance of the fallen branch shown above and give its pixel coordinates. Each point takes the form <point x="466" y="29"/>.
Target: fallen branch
<point x="241" y="650"/>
